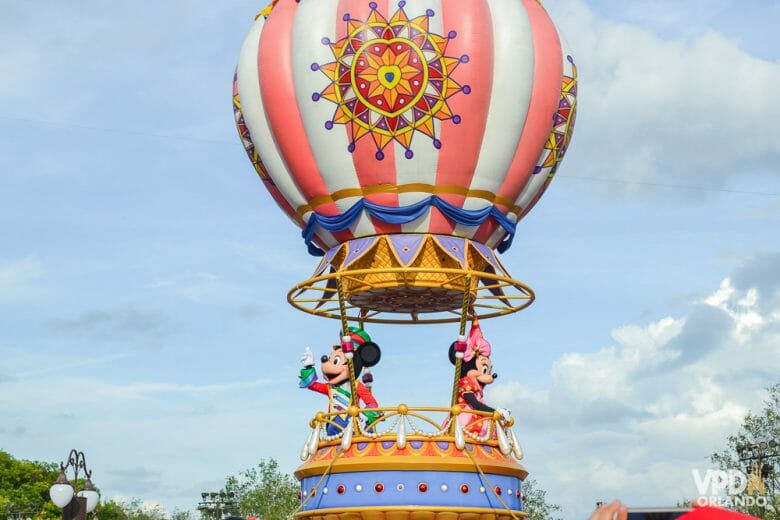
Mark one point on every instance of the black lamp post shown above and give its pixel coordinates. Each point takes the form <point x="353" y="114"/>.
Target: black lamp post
<point x="215" y="504"/>
<point x="75" y="504"/>
<point x="760" y="457"/>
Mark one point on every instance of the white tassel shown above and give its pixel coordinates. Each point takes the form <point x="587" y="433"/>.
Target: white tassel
<point x="401" y="438"/>
<point x="460" y="438"/>
<point x="517" y="451"/>
<point x="346" y="439"/>
<point x="503" y="442"/>
<point x="314" y="439"/>
<point x="305" y="450"/>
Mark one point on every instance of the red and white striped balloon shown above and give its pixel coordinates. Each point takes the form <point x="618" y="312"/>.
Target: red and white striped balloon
<point x="470" y="100"/>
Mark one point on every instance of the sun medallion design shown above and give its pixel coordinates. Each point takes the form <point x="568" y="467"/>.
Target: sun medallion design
<point x="390" y="79"/>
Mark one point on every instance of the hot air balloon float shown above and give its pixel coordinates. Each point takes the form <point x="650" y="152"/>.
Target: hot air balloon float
<point x="406" y="138"/>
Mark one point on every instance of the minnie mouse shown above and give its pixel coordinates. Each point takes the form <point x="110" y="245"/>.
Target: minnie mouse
<point x="335" y="370"/>
<point x="475" y="373"/>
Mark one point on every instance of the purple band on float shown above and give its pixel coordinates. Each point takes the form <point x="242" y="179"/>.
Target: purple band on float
<point x="402" y="488"/>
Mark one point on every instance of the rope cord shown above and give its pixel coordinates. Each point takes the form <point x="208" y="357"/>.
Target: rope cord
<point x="464" y="316"/>
<point x="362" y="326"/>
<point x="344" y="327"/>
<point x="491" y="486"/>
<point x="316" y="486"/>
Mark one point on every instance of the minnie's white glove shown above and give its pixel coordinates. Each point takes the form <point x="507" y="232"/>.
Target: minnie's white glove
<point x="307" y="359"/>
<point x="505" y="414"/>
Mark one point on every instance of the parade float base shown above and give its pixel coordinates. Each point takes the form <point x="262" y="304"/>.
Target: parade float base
<point x="409" y="513"/>
<point x="425" y="480"/>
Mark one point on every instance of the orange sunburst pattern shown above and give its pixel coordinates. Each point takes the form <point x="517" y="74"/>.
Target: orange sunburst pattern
<point x="246" y="138"/>
<point x="563" y="123"/>
<point x="390" y="79"/>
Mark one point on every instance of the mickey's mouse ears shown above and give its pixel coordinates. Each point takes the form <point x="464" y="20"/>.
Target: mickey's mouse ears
<point x="368" y="351"/>
<point x="369" y="354"/>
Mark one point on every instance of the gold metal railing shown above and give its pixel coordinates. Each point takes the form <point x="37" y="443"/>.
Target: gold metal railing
<point x="404" y="423"/>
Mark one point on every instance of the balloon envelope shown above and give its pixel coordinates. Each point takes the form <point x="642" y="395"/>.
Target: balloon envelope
<point x="414" y="116"/>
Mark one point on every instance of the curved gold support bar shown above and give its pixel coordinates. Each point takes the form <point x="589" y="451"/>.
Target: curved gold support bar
<point x="410" y="279"/>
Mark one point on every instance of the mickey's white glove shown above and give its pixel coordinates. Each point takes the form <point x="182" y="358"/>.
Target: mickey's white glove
<point x="505" y="414"/>
<point x="307" y="359"/>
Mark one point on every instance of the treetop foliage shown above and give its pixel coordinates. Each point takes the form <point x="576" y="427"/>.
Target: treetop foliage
<point x="757" y="428"/>
<point x="263" y="491"/>
<point x="24" y="486"/>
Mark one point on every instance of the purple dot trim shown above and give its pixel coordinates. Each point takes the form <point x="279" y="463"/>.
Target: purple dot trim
<point x="409" y="154"/>
<point x="429" y="12"/>
<point x="464" y="58"/>
<point x="452" y="34"/>
<point x="372" y="5"/>
<point x="437" y="144"/>
<point x="570" y="59"/>
<point x="380" y="155"/>
<point x="345" y="17"/>
<point x="402" y="4"/>
<point x="466" y="89"/>
<point x="315" y="96"/>
<point x="456" y="119"/>
<point x="315" y="66"/>
<point x="328" y="125"/>
<point x="351" y="147"/>
<point x="326" y="41"/>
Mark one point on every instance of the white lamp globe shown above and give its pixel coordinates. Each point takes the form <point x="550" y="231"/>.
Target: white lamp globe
<point x="61" y="494"/>
<point x="92" y="498"/>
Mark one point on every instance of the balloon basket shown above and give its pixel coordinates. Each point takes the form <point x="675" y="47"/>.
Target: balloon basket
<point x="410" y="279"/>
<point x="411" y="464"/>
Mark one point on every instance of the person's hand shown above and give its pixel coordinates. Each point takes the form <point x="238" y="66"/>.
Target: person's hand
<point x="307" y="359"/>
<point x="612" y="511"/>
<point x="505" y="414"/>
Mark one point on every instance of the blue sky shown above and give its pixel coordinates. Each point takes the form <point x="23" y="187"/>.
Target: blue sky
<point x="143" y="269"/>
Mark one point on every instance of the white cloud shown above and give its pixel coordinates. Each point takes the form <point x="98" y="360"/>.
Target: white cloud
<point x="690" y="111"/>
<point x="606" y="374"/>
<point x="661" y="398"/>
<point x="742" y="308"/>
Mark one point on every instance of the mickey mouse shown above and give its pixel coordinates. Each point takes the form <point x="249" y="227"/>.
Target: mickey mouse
<point x="475" y="374"/>
<point x="335" y="370"/>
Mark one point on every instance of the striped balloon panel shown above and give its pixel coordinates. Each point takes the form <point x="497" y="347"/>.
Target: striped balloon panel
<point x="554" y="149"/>
<point x="393" y="101"/>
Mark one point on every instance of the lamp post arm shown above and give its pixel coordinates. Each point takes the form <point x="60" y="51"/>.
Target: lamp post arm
<point x="77" y="460"/>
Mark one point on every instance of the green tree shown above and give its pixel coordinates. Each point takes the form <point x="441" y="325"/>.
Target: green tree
<point x="134" y="509"/>
<point x="263" y="491"/>
<point x="24" y="487"/>
<point x="535" y="502"/>
<point x="178" y="514"/>
<point x="763" y="426"/>
<point x="111" y="510"/>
